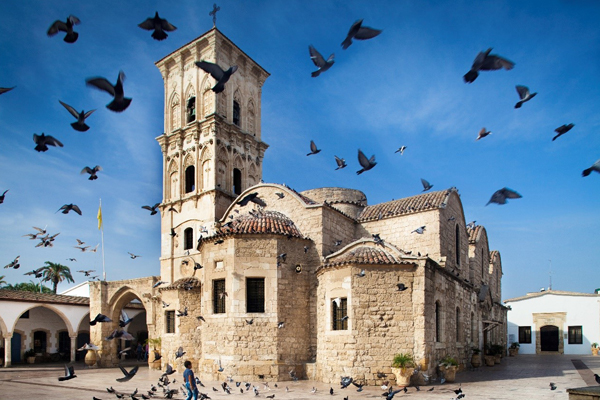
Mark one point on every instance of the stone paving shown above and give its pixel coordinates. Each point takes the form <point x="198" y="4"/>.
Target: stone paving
<point x="521" y="377"/>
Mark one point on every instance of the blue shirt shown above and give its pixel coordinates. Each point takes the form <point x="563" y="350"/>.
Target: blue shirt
<point x="186" y="376"/>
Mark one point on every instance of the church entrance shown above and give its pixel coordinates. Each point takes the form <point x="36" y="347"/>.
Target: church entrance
<point x="549" y="338"/>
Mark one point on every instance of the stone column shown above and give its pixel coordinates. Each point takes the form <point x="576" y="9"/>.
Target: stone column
<point x="73" y="346"/>
<point x="7" y="349"/>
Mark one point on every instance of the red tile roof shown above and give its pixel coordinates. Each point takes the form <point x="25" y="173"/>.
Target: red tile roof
<point x="18" y="295"/>
<point x="474" y="233"/>
<point x="182" y="283"/>
<point x="364" y="255"/>
<point x="408" y="205"/>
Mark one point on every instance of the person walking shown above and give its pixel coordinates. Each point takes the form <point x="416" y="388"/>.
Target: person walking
<point x="190" y="381"/>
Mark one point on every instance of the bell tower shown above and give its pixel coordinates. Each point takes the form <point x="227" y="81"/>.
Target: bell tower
<point x="211" y="145"/>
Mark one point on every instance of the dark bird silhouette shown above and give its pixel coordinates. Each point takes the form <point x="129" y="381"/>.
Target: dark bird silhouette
<point x="552" y="386"/>
<point x="253" y="197"/>
<point x="401" y="150"/>
<point x="124" y="320"/>
<point x="120" y="102"/>
<point x="86" y="273"/>
<point x="501" y="195"/>
<point x="2" y="197"/>
<point x="133" y="256"/>
<point x="36" y="272"/>
<point x="179" y="353"/>
<point x="4" y="90"/>
<point x="69" y="374"/>
<point x="597" y="378"/>
<point x="313" y="149"/>
<point x="319" y="61"/>
<point x="331" y="391"/>
<point x="401" y="287"/>
<point x="419" y="230"/>
<point x="483" y="133"/>
<point x="168" y="371"/>
<point x="390" y="395"/>
<point x="183" y="313"/>
<point x="43" y="141"/>
<point x="595" y="167"/>
<point x="524" y="95"/>
<point x="561" y="130"/>
<point x="59" y="26"/>
<point x="80" y="125"/>
<point x="345" y="382"/>
<point x="487" y="62"/>
<point x="426" y="185"/>
<point x="217" y="73"/>
<point x="157" y="284"/>
<point x="128" y="375"/>
<point x="357" y="31"/>
<point x="92" y="172"/>
<point x="159" y="25"/>
<point x="153" y="210"/>
<point x="365" y="163"/>
<point x="119" y="333"/>
<point x="341" y="163"/>
<point x="70" y="207"/>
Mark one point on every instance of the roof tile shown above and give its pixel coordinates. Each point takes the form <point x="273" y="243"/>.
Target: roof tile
<point x="408" y="205"/>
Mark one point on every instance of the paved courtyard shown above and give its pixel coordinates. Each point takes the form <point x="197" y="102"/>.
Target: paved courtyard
<point x="521" y="377"/>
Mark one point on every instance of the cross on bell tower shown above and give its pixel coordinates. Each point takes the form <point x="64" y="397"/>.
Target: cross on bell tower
<point x="213" y="13"/>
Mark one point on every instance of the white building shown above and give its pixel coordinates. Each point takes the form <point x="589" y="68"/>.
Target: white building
<point x="554" y="321"/>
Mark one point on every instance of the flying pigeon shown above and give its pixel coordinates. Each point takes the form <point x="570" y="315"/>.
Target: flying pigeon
<point x="119" y="333"/>
<point x="36" y="272"/>
<point x="253" y="197"/>
<point x="595" y="167"/>
<point x="426" y="185"/>
<point x="14" y="263"/>
<point x="250" y="321"/>
<point x="313" y="148"/>
<point x="179" y="353"/>
<point x="153" y="210"/>
<point x="365" y="163"/>
<point x="68" y="207"/>
<point x="80" y="125"/>
<point x="401" y="150"/>
<point x="341" y="163"/>
<point x="43" y="141"/>
<point x="357" y="31"/>
<point x="552" y="386"/>
<point x="128" y="375"/>
<point x="168" y="371"/>
<point x="561" y="130"/>
<point x="217" y="73"/>
<point x="4" y="90"/>
<point x="2" y="198"/>
<point x="120" y="102"/>
<point x="319" y="61"/>
<point x="92" y="172"/>
<point x="183" y="313"/>
<point x="88" y="346"/>
<point x="345" y="381"/>
<point x="524" y="95"/>
<point x="158" y="25"/>
<point x="501" y="195"/>
<point x="419" y="230"/>
<point x="483" y="133"/>
<point x="487" y="62"/>
<point x="133" y="256"/>
<point x="59" y="26"/>
<point x="157" y="284"/>
<point x="69" y="374"/>
<point x="88" y="272"/>
<point x="280" y="324"/>
<point x="124" y="320"/>
<point x="597" y="378"/>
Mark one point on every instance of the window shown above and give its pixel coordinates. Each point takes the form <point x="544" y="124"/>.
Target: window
<point x="236" y="113"/>
<point x="170" y="321"/>
<point x="64" y="342"/>
<point x="457" y="244"/>
<point x="219" y="296"/>
<point x="524" y="334"/>
<point x="237" y="181"/>
<point x="438" y="321"/>
<point x="191" y="109"/>
<point x="576" y="335"/>
<point x="339" y="307"/>
<point x="188" y="238"/>
<point x="190" y="177"/>
<point x="458" y="336"/>
<point x="255" y="295"/>
<point x="39" y="341"/>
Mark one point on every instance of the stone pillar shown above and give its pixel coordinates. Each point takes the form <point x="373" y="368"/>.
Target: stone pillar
<point x="7" y="349"/>
<point x="73" y="346"/>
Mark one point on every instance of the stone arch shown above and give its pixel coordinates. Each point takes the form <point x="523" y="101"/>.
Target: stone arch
<point x="60" y="314"/>
<point x="191" y="102"/>
<point x="223" y="169"/>
<point x="173" y="180"/>
<point x="237" y="115"/>
<point x="174" y="112"/>
<point x="250" y="117"/>
<point x="189" y="177"/>
<point x="82" y="321"/>
<point x="208" y="106"/>
<point x="3" y="328"/>
<point x="252" y="175"/>
<point x="118" y="302"/>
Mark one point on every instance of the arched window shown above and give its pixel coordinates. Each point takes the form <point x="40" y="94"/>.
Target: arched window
<point x="188" y="238"/>
<point x="457" y="243"/>
<point x="191" y="109"/>
<point x="438" y="322"/>
<point x="175" y="113"/>
<point x="207" y="102"/>
<point x="458" y="335"/>
<point x="190" y="179"/>
<point x="236" y="113"/>
<point x="250" y="120"/>
<point x="237" y="181"/>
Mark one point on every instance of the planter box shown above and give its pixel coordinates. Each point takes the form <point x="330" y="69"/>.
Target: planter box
<point x="31" y="360"/>
<point x="490" y="361"/>
<point x="403" y="375"/>
<point x="595" y="351"/>
<point x="476" y="360"/>
<point x="449" y="372"/>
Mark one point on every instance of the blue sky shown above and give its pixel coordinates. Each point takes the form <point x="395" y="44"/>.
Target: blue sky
<point x="404" y="87"/>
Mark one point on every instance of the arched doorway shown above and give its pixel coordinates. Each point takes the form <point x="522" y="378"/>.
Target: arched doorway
<point x="549" y="338"/>
<point x="45" y="331"/>
<point x="134" y="308"/>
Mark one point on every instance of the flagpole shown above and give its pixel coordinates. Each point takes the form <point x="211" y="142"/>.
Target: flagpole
<point x="102" y="233"/>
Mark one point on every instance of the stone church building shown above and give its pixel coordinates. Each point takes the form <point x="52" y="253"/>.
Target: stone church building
<point x="319" y="282"/>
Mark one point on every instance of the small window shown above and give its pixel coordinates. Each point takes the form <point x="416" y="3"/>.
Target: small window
<point x="458" y="336"/>
<point x="190" y="177"/>
<point x="236" y="113"/>
<point x="170" y="321"/>
<point x="219" y="296"/>
<point x="255" y="295"/>
<point x="575" y="335"/>
<point x="438" y="322"/>
<point x="339" y="307"/>
<point x="191" y="109"/>
<point x="237" y="181"/>
<point x="524" y="334"/>
<point x="188" y="238"/>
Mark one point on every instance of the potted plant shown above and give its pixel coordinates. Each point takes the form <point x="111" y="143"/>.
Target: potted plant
<point x="30" y="356"/>
<point x="513" y="350"/>
<point x="497" y="350"/>
<point x="476" y="358"/>
<point x="489" y="356"/>
<point x="403" y="368"/>
<point x="448" y="366"/>
<point x="154" y="354"/>
<point x="594" y="349"/>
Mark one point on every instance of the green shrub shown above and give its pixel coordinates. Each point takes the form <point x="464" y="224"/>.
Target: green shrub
<point x="402" y="361"/>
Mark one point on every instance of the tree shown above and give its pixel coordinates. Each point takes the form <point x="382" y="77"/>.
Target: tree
<point x="27" y="287"/>
<point x="2" y="281"/>
<point x="56" y="273"/>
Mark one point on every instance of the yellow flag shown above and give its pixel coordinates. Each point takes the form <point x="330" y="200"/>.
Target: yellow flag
<point x="100" y="217"/>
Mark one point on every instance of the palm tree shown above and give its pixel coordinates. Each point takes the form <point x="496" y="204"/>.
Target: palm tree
<point x="2" y="281"/>
<point x="28" y="287"/>
<point x="56" y="273"/>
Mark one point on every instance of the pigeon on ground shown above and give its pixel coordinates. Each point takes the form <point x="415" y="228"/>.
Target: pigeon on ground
<point x="359" y="386"/>
<point x="487" y="62"/>
<point x="401" y="287"/>
<point x="524" y="95"/>
<point x="561" y="130"/>
<point x="159" y="25"/>
<point x="69" y="374"/>
<point x="80" y="125"/>
<point x="70" y="207"/>
<point x="92" y="172"/>
<point x="595" y="167"/>
<point x="179" y="353"/>
<point x="345" y="382"/>
<point x="357" y="31"/>
<point x="128" y="375"/>
<point x="400" y="150"/>
<point x="552" y="386"/>
<point x="419" y="230"/>
<point x="153" y="210"/>
<point x="2" y="196"/>
<point x="253" y="197"/>
<point x="124" y="320"/>
<point x="483" y="133"/>
<point x="501" y="195"/>
<point x="341" y="163"/>
<point x="59" y="26"/>
<point x="217" y="73"/>
<point x="426" y="185"/>
<point x="313" y="149"/>
<point x="4" y="90"/>
<point x="365" y="163"/>
<point x="331" y="391"/>
<point x="120" y="102"/>
<point x="319" y="61"/>
<point x="43" y="141"/>
<point x="14" y="263"/>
